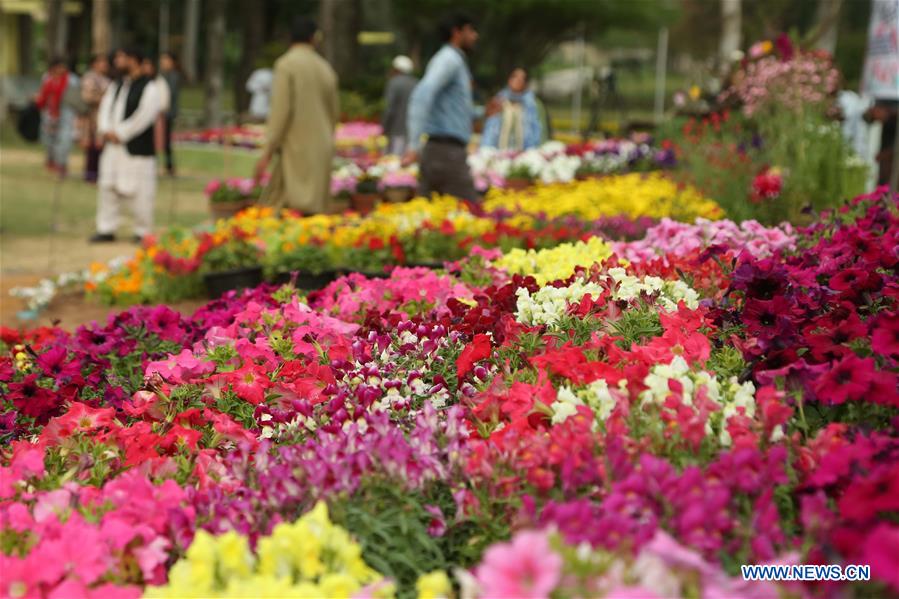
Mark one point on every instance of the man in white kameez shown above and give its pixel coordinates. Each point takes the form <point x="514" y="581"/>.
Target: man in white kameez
<point x="125" y="123"/>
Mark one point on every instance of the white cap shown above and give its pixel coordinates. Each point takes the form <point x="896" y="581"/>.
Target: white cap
<point x="403" y="64"/>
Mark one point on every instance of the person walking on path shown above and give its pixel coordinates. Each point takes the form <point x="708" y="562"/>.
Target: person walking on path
<point x="93" y="86"/>
<point x="126" y="122"/>
<point x="441" y="106"/>
<point x="300" y="127"/>
<point x="517" y="125"/>
<point x="169" y="70"/>
<point x="396" y="103"/>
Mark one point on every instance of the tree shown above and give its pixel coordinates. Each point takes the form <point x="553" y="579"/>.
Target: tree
<point x="215" y="62"/>
<point x="191" y="33"/>
<point x="253" y="18"/>
<point x="341" y="21"/>
<point x="100" y="27"/>
<point x="523" y="32"/>
<point x="827" y="20"/>
<point x="56" y="28"/>
<point x="731" y="31"/>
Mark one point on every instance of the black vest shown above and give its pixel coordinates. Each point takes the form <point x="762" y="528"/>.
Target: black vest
<point x="144" y="143"/>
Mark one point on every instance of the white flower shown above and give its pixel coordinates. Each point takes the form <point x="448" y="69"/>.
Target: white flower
<point x="565" y="405"/>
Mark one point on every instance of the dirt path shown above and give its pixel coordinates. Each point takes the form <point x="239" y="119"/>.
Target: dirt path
<point x="68" y="311"/>
<point x="37" y="243"/>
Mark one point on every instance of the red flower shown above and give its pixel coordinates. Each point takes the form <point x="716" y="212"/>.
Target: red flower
<point x="248" y="383"/>
<point x="478" y="349"/>
<point x="866" y="498"/>
<point x="885" y="336"/>
<point x="848" y="380"/>
<point x="80" y="417"/>
<point x="519" y="401"/>
<point x="767" y="185"/>
<point x="881" y="551"/>
<point x="33" y="400"/>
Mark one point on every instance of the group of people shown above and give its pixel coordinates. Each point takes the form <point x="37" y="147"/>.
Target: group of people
<point x="69" y="107"/>
<point x="122" y="110"/>
<point x="440" y="107"/>
<point x="127" y="110"/>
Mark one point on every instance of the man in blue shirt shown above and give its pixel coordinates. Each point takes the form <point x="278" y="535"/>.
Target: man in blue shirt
<point x="441" y="107"/>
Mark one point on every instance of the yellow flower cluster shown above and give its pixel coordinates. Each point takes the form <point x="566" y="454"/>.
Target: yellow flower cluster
<point x="634" y="194"/>
<point x="555" y="263"/>
<point x="311" y="557"/>
<point x="434" y="585"/>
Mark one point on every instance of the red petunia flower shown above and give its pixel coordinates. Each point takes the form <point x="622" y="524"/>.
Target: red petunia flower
<point x="850" y="379"/>
<point x="478" y="349"/>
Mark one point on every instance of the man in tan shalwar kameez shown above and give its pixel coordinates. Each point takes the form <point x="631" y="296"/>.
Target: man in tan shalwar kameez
<point x="300" y="127"/>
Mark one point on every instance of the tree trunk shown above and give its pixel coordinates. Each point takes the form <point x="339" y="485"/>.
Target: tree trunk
<point x="253" y="19"/>
<point x="731" y="33"/>
<point x="215" y="62"/>
<point x="191" y="33"/>
<point x="55" y="31"/>
<point x="164" y="20"/>
<point x="100" y="41"/>
<point x="340" y="22"/>
<point x="827" y="25"/>
<point x="26" y="43"/>
<point x="76" y="27"/>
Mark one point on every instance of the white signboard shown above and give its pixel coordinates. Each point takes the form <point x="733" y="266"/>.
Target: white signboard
<point x="881" y="76"/>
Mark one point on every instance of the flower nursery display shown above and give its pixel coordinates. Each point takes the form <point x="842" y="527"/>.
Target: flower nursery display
<point x="168" y="267"/>
<point x="552" y="162"/>
<point x="555" y="162"/>
<point x="587" y="417"/>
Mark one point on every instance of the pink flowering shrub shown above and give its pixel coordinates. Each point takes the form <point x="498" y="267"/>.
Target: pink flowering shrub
<point x="806" y="80"/>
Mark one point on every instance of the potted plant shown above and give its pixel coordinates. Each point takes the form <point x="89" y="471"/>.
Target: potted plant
<point x="365" y="197"/>
<point x="234" y="263"/>
<point x="228" y="197"/>
<point x="309" y="266"/>
<point x="398" y="186"/>
<point x="520" y="176"/>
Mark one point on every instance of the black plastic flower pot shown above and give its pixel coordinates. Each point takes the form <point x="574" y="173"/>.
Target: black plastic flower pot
<point x="307" y="281"/>
<point x="431" y="265"/>
<point x="371" y="274"/>
<point x="219" y="283"/>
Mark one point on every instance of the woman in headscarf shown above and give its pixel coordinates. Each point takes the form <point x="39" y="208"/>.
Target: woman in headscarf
<point x="517" y="124"/>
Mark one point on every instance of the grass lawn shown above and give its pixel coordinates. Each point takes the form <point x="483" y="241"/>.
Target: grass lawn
<point x="28" y="193"/>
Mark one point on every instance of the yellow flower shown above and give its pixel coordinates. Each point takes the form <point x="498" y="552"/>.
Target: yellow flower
<point x="98" y="267"/>
<point x="695" y="92"/>
<point x="434" y="585"/>
<point x="308" y="558"/>
<point x="555" y="263"/>
<point x="234" y="554"/>
<point x="338" y="586"/>
<point x="633" y="194"/>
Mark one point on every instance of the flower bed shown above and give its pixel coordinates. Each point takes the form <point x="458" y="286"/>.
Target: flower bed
<point x="553" y="162"/>
<point x="553" y="421"/>
<point x="422" y="231"/>
<point x="351" y="137"/>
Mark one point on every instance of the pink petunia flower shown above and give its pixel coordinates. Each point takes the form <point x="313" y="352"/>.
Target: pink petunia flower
<point x="526" y="567"/>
